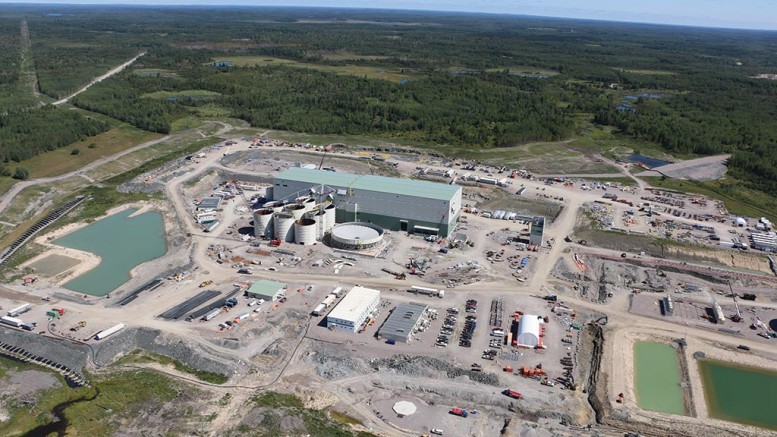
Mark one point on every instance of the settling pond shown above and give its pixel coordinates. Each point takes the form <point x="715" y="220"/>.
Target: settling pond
<point x="122" y="243"/>
<point x="657" y="378"/>
<point x="740" y="394"/>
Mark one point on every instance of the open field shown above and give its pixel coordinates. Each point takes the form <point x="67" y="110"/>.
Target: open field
<point x="606" y="141"/>
<point x="646" y="72"/>
<point x="62" y="160"/>
<point x="392" y="74"/>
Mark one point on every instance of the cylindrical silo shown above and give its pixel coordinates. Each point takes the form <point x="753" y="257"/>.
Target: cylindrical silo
<point x="263" y="223"/>
<point x="295" y="209"/>
<point x="305" y="231"/>
<point x="275" y="206"/>
<point x="320" y="219"/>
<point x="329" y="212"/>
<point x="283" y="225"/>
<point x="309" y="203"/>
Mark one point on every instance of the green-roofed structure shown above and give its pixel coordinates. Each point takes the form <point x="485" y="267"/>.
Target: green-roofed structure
<point x="392" y="203"/>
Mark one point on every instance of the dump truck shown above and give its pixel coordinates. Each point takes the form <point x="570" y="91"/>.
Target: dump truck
<point x="512" y="393"/>
<point x="459" y="412"/>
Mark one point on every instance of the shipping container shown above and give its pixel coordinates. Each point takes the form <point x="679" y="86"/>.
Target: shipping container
<point x="319" y="309"/>
<point x="21" y="309"/>
<point x="329" y="300"/>
<point x="211" y="315"/>
<point x="11" y="321"/>
<point x="110" y="331"/>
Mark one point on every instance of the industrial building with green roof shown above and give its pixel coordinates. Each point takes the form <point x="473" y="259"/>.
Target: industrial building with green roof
<point x="266" y="289"/>
<point x="392" y="203"/>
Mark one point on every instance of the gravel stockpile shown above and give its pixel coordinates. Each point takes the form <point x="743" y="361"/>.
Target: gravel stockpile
<point x="151" y="340"/>
<point x="430" y="367"/>
<point x="62" y="352"/>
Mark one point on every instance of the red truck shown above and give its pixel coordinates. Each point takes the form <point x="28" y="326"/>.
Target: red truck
<point x="512" y="393"/>
<point x="459" y="412"/>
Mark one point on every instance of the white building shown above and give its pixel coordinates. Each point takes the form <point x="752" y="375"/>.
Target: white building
<point x="351" y="313"/>
<point x="529" y="331"/>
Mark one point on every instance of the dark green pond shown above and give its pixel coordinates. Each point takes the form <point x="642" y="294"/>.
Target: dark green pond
<point x="740" y="394"/>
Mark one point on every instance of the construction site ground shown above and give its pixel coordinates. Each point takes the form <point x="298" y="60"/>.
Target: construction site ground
<point x="283" y="347"/>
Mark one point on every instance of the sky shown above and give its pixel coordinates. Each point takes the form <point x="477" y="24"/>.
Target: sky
<point x="743" y="14"/>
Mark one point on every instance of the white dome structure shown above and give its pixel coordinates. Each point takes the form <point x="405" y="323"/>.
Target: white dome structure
<point x="529" y="331"/>
<point x="740" y="222"/>
<point x="404" y="408"/>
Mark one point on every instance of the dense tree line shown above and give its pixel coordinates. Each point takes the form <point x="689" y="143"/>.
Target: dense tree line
<point x="704" y="102"/>
<point x="24" y="134"/>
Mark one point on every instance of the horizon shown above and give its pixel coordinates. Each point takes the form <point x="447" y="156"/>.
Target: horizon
<point x="745" y="15"/>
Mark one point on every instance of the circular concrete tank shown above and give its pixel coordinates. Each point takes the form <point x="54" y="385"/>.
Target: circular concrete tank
<point x="329" y="212"/>
<point x="263" y="223"/>
<point x="283" y="225"/>
<point x="295" y="209"/>
<point x="355" y="236"/>
<point x="305" y="231"/>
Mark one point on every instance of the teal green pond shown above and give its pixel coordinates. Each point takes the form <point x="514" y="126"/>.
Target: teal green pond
<point x="657" y="378"/>
<point x="740" y="394"/>
<point x="122" y="242"/>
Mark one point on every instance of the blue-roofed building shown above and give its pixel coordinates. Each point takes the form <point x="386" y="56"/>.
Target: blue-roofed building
<point x="392" y="203"/>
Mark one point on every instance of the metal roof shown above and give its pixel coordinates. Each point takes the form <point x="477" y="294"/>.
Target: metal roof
<point x="266" y="287"/>
<point x="403" y="319"/>
<point x="209" y="203"/>
<point x="354" y="304"/>
<point x="382" y="184"/>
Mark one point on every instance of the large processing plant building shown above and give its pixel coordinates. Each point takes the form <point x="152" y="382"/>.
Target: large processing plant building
<point x="392" y="203"/>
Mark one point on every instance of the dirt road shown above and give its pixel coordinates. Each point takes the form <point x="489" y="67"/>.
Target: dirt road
<point x="19" y="186"/>
<point x="100" y="79"/>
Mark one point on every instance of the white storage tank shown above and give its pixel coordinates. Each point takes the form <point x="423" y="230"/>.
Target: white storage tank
<point x="305" y="231"/>
<point x="275" y="206"/>
<point x="296" y="210"/>
<point x="263" y="223"/>
<point x="320" y="219"/>
<point x="309" y="203"/>
<point x="283" y="226"/>
<point x="329" y="213"/>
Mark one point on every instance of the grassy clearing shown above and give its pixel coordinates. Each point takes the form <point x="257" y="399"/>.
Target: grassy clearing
<point x="6" y="183"/>
<point x="735" y="196"/>
<point x="347" y="56"/>
<point x="139" y="356"/>
<point x="62" y="160"/>
<point x="387" y="73"/>
<point x="646" y="72"/>
<point x="524" y="70"/>
<point x="211" y="111"/>
<point x="344" y="418"/>
<point x="606" y="141"/>
<point x="154" y="72"/>
<point x="316" y="423"/>
<point x="277" y="400"/>
<point x="19" y="210"/>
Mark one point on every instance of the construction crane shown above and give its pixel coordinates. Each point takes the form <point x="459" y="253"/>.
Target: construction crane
<point x="738" y="317"/>
<point x="327" y="149"/>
